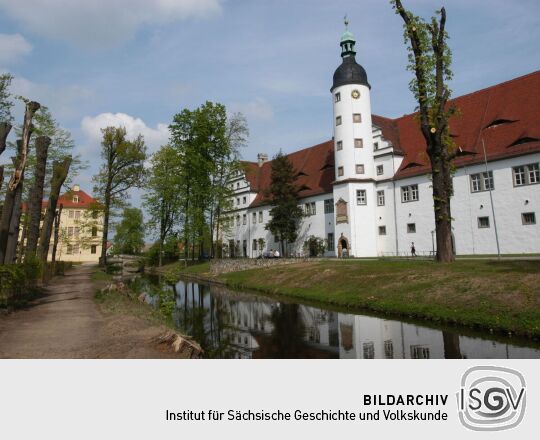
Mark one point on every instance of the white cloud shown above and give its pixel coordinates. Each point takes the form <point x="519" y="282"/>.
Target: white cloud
<point x="101" y="23"/>
<point x="13" y="47"/>
<point x="154" y="137"/>
<point x="256" y="110"/>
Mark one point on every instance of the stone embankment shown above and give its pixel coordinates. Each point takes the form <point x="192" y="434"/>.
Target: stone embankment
<point x="218" y="267"/>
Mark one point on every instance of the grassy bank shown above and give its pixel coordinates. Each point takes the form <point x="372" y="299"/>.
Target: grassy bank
<point x="501" y="296"/>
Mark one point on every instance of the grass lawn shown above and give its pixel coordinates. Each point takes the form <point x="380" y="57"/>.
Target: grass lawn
<point x="497" y="295"/>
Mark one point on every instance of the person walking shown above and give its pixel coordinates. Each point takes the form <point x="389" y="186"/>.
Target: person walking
<point x="413" y="250"/>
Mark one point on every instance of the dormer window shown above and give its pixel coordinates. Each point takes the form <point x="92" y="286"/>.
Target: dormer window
<point x="75" y="199"/>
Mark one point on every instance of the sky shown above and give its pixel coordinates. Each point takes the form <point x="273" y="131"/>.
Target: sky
<point x="136" y="63"/>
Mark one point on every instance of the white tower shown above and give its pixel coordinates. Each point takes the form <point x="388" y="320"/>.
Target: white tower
<point x="354" y="187"/>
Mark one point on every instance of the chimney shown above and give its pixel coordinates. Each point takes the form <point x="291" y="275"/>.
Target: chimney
<point x="262" y="158"/>
<point x="76" y="188"/>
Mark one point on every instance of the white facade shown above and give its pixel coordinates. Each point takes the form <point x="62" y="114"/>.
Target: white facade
<point x="374" y="212"/>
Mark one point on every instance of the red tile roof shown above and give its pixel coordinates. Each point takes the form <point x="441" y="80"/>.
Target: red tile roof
<point x="514" y="107"/>
<point x="85" y="200"/>
<point x="507" y="115"/>
<point x="314" y="165"/>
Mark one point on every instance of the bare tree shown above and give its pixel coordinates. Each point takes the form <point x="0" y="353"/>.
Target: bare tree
<point x="36" y="194"/>
<point x="11" y="211"/>
<point x="60" y="172"/>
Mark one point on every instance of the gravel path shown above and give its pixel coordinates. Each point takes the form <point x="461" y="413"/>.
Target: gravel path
<point x="66" y="323"/>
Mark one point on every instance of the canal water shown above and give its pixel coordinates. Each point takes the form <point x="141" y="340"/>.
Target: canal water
<point x="230" y="324"/>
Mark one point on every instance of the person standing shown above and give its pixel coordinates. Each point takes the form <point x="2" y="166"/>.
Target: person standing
<point x="413" y="250"/>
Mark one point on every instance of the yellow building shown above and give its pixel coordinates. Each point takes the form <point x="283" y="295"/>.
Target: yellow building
<point x="81" y="224"/>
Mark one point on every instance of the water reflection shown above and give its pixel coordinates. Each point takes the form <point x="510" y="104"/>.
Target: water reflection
<point x="229" y="324"/>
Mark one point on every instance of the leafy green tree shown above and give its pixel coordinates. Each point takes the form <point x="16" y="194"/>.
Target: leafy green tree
<point x="314" y="246"/>
<point x="283" y="196"/>
<point x="163" y="198"/>
<point x="122" y="169"/>
<point x="207" y="143"/>
<point x="129" y="237"/>
<point x="6" y="104"/>
<point x="430" y="59"/>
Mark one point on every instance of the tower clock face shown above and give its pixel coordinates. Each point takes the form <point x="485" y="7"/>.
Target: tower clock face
<point x="355" y="94"/>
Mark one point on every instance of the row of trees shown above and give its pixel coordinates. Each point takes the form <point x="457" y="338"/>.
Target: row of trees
<point x="40" y="165"/>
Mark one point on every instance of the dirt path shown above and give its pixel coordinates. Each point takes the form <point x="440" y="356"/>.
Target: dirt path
<point x="67" y="323"/>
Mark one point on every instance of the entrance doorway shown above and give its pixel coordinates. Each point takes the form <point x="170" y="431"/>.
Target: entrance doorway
<point x="343" y="247"/>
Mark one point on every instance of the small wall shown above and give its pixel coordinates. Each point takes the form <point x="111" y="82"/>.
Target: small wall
<point x="234" y="265"/>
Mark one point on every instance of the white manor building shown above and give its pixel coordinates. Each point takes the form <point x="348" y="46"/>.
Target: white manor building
<point x="368" y="189"/>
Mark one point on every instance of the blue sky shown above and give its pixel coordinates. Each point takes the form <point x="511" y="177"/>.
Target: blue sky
<point x="138" y="62"/>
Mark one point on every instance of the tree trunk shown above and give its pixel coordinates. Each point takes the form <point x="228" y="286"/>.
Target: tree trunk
<point x="442" y="192"/>
<point x="24" y="234"/>
<point x="11" y="212"/>
<point x="5" y="128"/>
<point x="60" y="172"/>
<point x="10" y="256"/>
<point x="57" y="218"/>
<point x="106" y="217"/>
<point x="36" y="194"/>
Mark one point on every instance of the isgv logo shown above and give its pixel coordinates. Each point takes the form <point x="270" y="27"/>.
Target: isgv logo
<point x="491" y="398"/>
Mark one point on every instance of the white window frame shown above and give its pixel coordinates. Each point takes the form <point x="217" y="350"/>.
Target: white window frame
<point x="360" y="168"/>
<point x="380" y="170"/>
<point x="339" y="145"/>
<point x="409" y="193"/>
<point x="329" y="206"/>
<point x="361" y="197"/>
<point x="340" y="171"/>
<point x="380" y="198"/>
<point x="482" y="181"/>
<point x="357" y="118"/>
<point x="358" y="143"/>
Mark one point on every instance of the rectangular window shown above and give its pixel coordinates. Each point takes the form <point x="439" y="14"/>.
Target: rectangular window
<point x="388" y="349"/>
<point x="411" y="228"/>
<point x="369" y="350"/>
<point x="244" y="248"/>
<point x="483" y="222"/>
<point x="70" y="231"/>
<point x="382" y="230"/>
<point x="330" y="242"/>
<point x="244" y="219"/>
<point x="309" y="209"/>
<point x="528" y="218"/>
<point x="482" y="182"/>
<point x="76" y="232"/>
<point x="254" y="220"/>
<point x="340" y="171"/>
<point x="69" y="249"/>
<point x="329" y="206"/>
<point x="357" y="117"/>
<point x="376" y="146"/>
<point x="527" y="174"/>
<point x="70" y="214"/>
<point x="409" y="193"/>
<point x="380" y="170"/>
<point x="380" y="198"/>
<point x="338" y="120"/>
<point x="359" y="168"/>
<point x="358" y="143"/>
<point x="419" y="352"/>
<point x="260" y="216"/>
<point x="244" y="200"/>
<point x="339" y="145"/>
<point x="76" y="249"/>
<point x="534" y="173"/>
<point x="93" y="249"/>
<point x="237" y="220"/>
<point x="361" y="197"/>
<point x="77" y="215"/>
<point x="94" y="231"/>
<point x="254" y="245"/>
<point x="337" y="97"/>
<point x="238" y="200"/>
